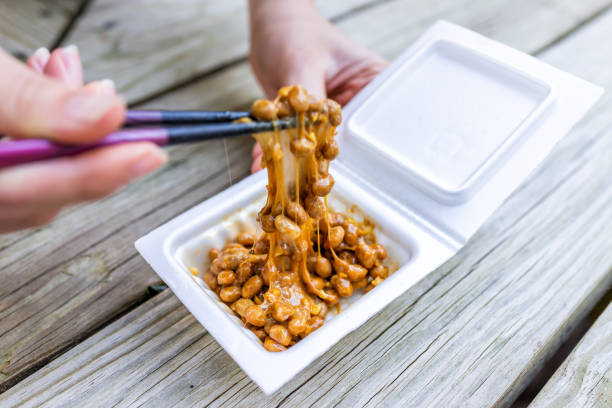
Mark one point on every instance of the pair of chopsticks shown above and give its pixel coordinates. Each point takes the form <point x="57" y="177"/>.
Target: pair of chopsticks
<point x="160" y="127"/>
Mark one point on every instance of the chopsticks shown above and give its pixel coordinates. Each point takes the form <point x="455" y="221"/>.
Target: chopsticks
<point x="139" y="117"/>
<point x="195" y="126"/>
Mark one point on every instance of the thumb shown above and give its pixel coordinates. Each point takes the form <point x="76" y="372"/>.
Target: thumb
<point x="311" y="79"/>
<point x="35" y="106"/>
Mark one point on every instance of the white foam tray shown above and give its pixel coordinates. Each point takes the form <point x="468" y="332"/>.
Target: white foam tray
<point x="429" y="149"/>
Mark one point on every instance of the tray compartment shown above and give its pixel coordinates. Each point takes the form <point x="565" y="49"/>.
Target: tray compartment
<point x="184" y="241"/>
<point x="194" y="251"/>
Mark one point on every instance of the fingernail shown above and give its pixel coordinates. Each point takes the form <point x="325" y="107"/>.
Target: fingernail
<point x="107" y="86"/>
<point x="71" y="50"/>
<point x="83" y="106"/>
<point x="72" y="64"/>
<point x="57" y="67"/>
<point x="40" y="57"/>
<point x="41" y="53"/>
<point x="104" y="87"/>
<point x="150" y="161"/>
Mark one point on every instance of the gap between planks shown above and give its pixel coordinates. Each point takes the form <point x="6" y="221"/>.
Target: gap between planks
<point x="585" y="377"/>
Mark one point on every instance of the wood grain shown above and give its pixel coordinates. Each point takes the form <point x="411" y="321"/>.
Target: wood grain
<point x="27" y="25"/>
<point x="35" y="301"/>
<point x="93" y="263"/>
<point x="506" y="21"/>
<point x="171" y="45"/>
<point x="388" y="29"/>
<point x="473" y="331"/>
<point x="96" y="275"/>
<point x="148" y="46"/>
<point x="585" y="377"/>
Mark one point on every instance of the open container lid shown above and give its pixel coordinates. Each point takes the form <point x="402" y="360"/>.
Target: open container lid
<point x="454" y="125"/>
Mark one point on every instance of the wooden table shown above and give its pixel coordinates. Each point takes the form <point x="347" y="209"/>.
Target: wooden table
<point x="78" y="328"/>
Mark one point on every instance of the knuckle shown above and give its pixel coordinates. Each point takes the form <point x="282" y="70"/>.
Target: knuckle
<point x="21" y="99"/>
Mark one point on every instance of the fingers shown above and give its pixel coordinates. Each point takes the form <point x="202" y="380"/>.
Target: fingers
<point x="64" y="64"/>
<point x="256" y="166"/>
<point x="311" y="79"/>
<point x="344" y="94"/>
<point x="35" y="106"/>
<point x="256" y="150"/>
<point x="39" y="59"/>
<point x="347" y="82"/>
<point x="257" y="155"/>
<point x="55" y="183"/>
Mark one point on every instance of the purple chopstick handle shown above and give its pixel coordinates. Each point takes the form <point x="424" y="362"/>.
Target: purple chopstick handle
<point x="27" y="150"/>
<point x="146" y="116"/>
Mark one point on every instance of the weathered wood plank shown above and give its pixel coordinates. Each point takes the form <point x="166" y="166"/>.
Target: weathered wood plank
<point x="238" y="84"/>
<point x="27" y="25"/>
<point x="179" y="46"/>
<point x="389" y="28"/>
<point x="101" y="275"/>
<point x="503" y="20"/>
<point x="585" y="377"/>
<point x="33" y="305"/>
<point x="148" y="46"/>
<point x="24" y="27"/>
<point x="35" y="265"/>
<point x="473" y="331"/>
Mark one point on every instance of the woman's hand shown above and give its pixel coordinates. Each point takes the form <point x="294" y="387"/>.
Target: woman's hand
<point x="292" y="43"/>
<point x="47" y="99"/>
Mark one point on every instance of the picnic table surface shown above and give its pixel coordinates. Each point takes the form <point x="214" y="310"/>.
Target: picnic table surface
<point x="78" y="326"/>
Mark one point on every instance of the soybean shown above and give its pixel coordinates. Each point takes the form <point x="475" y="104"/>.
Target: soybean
<point x="252" y="286"/>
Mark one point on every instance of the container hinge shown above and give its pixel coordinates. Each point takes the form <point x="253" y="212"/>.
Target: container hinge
<point x="453" y="241"/>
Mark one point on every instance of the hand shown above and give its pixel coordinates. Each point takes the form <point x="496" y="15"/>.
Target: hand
<point x="48" y="100"/>
<point x="292" y="43"/>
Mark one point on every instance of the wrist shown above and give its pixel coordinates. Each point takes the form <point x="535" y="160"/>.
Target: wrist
<point x="288" y="44"/>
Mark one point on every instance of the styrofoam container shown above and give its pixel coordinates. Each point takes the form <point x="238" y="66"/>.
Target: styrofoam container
<point x="429" y="149"/>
